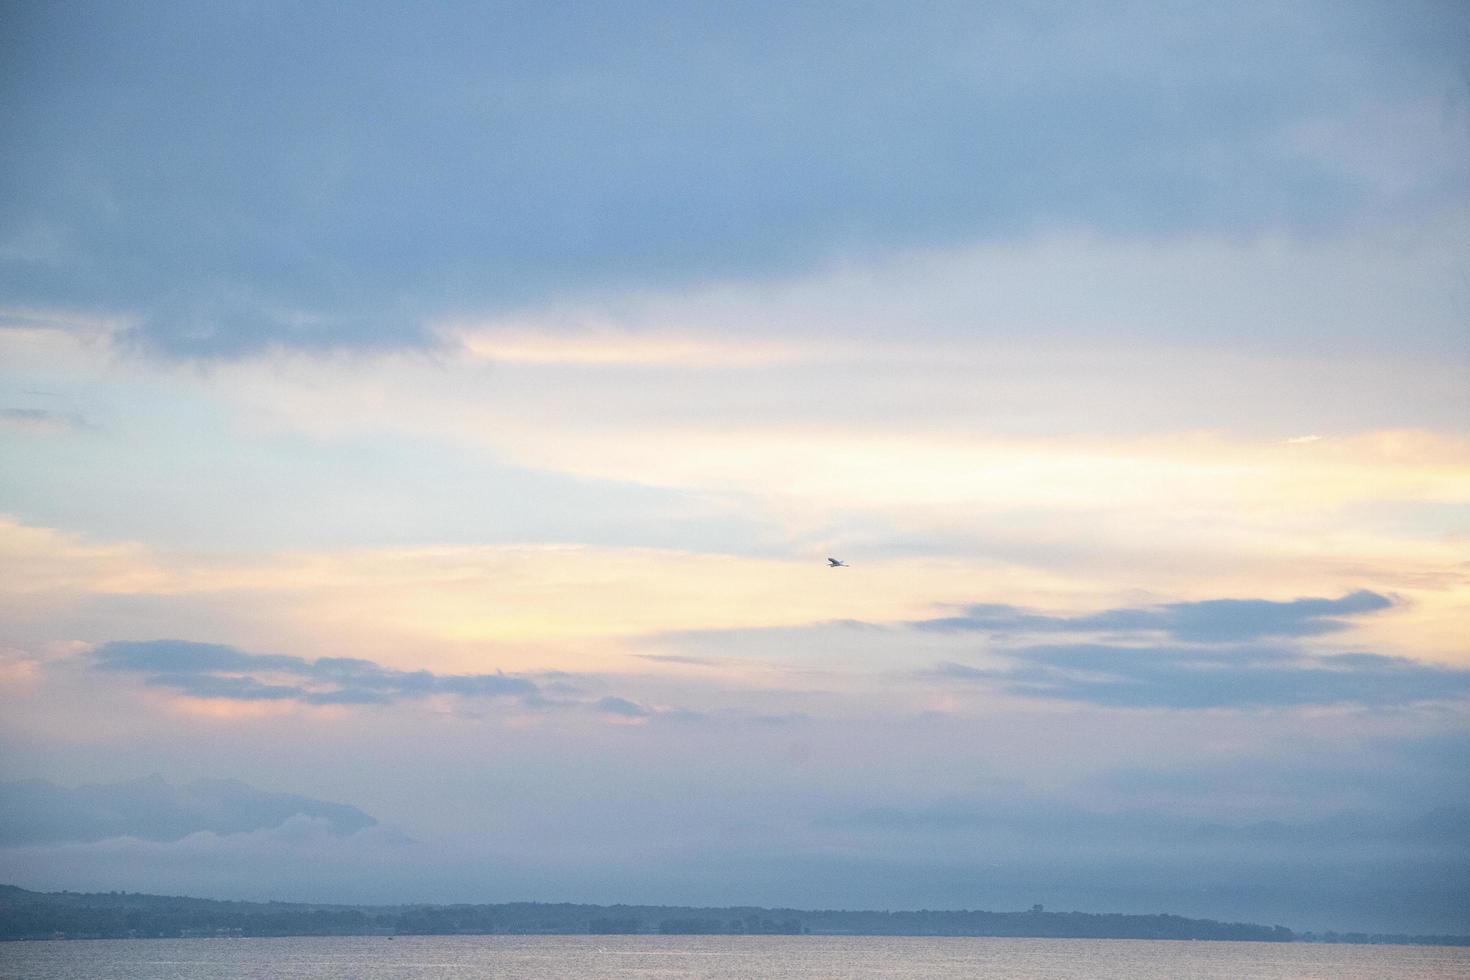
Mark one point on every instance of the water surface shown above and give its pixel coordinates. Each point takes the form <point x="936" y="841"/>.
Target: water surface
<point x="717" y="958"/>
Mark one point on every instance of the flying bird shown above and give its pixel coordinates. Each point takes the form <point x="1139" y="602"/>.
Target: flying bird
<point x="834" y="563"/>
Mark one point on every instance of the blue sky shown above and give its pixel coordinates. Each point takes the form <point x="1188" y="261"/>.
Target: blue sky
<point x="447" y="414"/>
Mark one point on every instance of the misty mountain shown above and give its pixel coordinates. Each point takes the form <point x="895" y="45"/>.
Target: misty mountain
<point x="36" y="811"/>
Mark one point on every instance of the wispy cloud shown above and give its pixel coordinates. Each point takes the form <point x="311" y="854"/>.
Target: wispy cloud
<point x="1182" y="677"/>
<point x="43" y="420"/>
<point x="683" y="660"/>
<point x="619" y="347"/>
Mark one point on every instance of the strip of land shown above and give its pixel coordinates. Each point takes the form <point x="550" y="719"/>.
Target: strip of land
<point x="121" y="915"/>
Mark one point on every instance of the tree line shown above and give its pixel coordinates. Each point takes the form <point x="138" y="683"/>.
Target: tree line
<point x="116" y="915"/>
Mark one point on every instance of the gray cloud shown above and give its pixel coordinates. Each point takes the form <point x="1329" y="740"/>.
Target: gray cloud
<point x="39" y="812"/>
<point x="182" y="657"/>
<point x="236" y="178"/>
<point x="1209" y="621"/>
<point x="210" y="670"/>
<point x="1181" y="677"/>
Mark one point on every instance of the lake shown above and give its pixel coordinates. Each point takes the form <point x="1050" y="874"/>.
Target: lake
<point x="716" y="958"/>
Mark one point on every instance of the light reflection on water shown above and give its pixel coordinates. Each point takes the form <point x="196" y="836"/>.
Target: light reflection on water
<point x="716" y="958"/>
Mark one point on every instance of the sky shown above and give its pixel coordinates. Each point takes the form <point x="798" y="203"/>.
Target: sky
<point x="423" y="432"/>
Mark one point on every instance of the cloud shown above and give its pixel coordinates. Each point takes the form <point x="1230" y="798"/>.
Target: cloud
<point x="39" y="812"/>
<point x="235" y="186"/>
<point x="210" y="670"/>
<point x="1183" y="677"/>
<point x="1208" y="621"/>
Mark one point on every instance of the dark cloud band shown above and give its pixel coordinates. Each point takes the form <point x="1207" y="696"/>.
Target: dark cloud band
<point x="305" y="176"/>
<point x="1215" y="653"/>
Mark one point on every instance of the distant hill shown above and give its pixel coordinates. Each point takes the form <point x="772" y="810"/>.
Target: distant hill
<point x="116" y="915"/>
